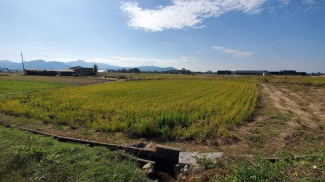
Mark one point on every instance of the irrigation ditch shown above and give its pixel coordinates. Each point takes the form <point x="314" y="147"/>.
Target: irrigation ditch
<point x="163" y="159"/>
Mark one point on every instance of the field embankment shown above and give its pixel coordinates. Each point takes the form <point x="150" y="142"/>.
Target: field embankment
<point x="55" y="79"/>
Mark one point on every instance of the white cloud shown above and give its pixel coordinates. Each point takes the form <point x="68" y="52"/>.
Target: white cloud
<point x="235" y="53"/>
<point x="185" y="13"/>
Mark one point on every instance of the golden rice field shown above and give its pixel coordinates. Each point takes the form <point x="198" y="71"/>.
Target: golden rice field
<point x="188" y="109"/>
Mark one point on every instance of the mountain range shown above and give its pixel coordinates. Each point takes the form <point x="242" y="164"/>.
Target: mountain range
<point x="53" y="65"/>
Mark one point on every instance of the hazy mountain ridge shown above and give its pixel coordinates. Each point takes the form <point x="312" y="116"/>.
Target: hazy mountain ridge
<point x="41" y="64"/>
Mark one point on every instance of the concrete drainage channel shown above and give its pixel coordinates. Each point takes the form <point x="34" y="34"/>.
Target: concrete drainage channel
<point x="162" y="164"/>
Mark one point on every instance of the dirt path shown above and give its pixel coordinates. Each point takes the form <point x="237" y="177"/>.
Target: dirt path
<point x="284" y="121"/>
<point x="305" y="109"/>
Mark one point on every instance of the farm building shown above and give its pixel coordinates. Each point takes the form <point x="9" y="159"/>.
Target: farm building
<point x="81" y="71"/>
<point x="31" y="71"/>
<point x="288" y="72"/>
<point x="67" y="72"/>
<point x="251" y="72"/>
<point x="302" y="73"/>
<point x="291" y="72"/>
<point x="274" y="73"/>
<point x="224" y="72"/>
<point x="40" y="72"/>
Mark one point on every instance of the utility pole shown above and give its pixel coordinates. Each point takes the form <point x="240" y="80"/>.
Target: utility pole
<point x="22" y="61"/>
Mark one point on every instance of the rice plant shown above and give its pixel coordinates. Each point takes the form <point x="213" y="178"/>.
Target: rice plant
<point x="188" y="108"/>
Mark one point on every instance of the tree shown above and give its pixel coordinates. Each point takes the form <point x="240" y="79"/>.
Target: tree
<point x="96" y="70"/>
<point x="135" y="70"/>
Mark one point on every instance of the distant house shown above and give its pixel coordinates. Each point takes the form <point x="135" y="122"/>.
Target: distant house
<point x="81" y="71"/>
<point x="67" y="72"/>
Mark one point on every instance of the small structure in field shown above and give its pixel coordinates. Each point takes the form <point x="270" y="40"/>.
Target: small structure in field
<point x="81" y="71"/>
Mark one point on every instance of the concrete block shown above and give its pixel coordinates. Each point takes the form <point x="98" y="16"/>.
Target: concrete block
<point x="164" y="152"/>
<point x="190" y="157"/>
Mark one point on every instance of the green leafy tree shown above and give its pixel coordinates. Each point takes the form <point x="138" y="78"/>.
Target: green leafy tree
<point x="96" y="70"/>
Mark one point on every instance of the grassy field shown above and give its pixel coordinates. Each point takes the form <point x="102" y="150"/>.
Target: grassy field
<point x="189" y="109"/>
<point x="301" y="80"/>
<point x="29" y="157"/>
<point x="8" y="86"/>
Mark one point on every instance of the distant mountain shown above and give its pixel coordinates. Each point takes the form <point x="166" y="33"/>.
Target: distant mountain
<point x="10" y="65"/>
<point x="41" y="64"/>
<point x="101" y="66"/>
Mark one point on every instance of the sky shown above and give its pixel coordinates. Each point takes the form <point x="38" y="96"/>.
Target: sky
<point x="198" y="35"/>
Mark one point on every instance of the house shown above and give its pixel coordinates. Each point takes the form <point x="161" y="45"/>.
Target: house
<point x="66" y="72"/>
<point x="81" y="71"/>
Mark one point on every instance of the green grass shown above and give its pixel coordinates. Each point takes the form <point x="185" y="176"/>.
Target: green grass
<point x="287" y="168"/>
<point x="30" y="157"/>
<point x="13" y="87"/>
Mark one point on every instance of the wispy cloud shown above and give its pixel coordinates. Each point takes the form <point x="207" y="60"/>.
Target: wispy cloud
<point x="188" y="59"/>
<point x="185" y="13"/>
<point x="169" y="44"/>
<point x="308" y="2"/>
<point x="285" y="2"/>
<point x="235" y="53"/>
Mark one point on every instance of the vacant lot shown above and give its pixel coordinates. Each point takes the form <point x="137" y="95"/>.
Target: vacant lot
<point x="190" y="109"/>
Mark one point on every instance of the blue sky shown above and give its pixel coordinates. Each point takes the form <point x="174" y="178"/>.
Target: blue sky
<point x="198" y="35"/>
